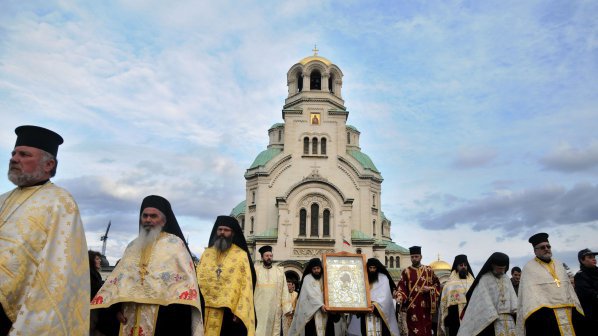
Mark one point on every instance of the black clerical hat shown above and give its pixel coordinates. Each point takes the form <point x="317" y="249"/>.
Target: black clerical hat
<point x="538" y="238"/>
<point x="265" y="249"/>
<point x="415" y="250"/>
<point x="461" y="258"/>
<point x="38" y="137"/>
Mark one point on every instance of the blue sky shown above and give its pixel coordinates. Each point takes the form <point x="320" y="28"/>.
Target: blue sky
<point x="481" y="116"/>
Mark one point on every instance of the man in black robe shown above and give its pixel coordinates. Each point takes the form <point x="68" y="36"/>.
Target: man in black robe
<point x="586" y="287"/>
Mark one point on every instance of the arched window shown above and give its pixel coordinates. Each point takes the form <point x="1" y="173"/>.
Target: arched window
<point x="315" y="80"/>
<point x="392" y="262"/>
<point x="315" y="209"/>
<point x="374" y="227"/>
<point x="253" y="197"/>
<point x="306" y="145"/>
<point x="302" y="221"/>
<point x="323" y="146"/>
<point x="398" y="262"/>
<point x="279" y="135"/>
<point x="374" y="200"/>
<point x="299" y="82"/>
<point x="331" y="83"/>
<point x="243" y="223"/>
<point x="348" y="137"/>
<point x="252" y="222"/>
<point x="386" y="261"/>
<point x="314" y="146"/>
<point x="382" y="229"/>
<point x="326" y="219"/>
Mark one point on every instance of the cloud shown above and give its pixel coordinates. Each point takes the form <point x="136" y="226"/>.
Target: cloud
<point x="520" y="212"/>
<point x="473" y="158"/>
<point x="568" y="159"/>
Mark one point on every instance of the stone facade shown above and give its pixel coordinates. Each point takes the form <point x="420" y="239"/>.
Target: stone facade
<point x="313" y="190"/>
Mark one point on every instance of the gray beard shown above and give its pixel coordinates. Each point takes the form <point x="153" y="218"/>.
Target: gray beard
<point x="222" y="244"/>
<point x="21" y="179"/>
<point x="147" y="237"/>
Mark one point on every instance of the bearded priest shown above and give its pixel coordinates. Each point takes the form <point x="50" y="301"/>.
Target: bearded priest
<point x="153" y="289"/>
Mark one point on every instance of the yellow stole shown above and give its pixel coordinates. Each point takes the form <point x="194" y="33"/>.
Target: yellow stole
<point x="225" y="282"/>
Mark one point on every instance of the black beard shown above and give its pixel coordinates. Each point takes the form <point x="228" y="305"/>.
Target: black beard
<point x="317" y="276"/>
<point x="373" y="277"/>
<point x="463" y="274"/>
<point x="222" y="244"/>
<point x="267" y="263"/>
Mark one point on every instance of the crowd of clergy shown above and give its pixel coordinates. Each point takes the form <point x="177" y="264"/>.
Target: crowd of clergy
<point x="50" y="283"/>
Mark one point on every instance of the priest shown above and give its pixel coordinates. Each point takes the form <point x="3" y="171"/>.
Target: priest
<point x="382" y="320"/>
<point x="418" y="293"/>
<point x="153" y="289"/>
<point x="44" y="268"/>
<point x="227" y="279"/>
<point x="272" y="298"/>
<point x="452" y="299"/>
<point x="547" y="304"/>
<point x="491" y="301"/>
<point x="311" y="318"/>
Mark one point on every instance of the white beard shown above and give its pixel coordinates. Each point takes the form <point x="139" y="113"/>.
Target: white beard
<point x="146" y="237"/>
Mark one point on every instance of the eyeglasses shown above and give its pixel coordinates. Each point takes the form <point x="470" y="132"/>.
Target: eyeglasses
<point x="543" y="247"/>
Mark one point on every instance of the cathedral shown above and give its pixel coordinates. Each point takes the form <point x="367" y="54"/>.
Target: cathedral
<point x="313" y="190"/>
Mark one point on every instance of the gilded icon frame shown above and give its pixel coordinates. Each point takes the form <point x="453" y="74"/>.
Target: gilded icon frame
<point x="346" y="286"/>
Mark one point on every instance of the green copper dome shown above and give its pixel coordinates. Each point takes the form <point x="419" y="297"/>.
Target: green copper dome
<point x="264" y="157"/>
<point x="239" y="209"/>
<point x="363" y="159"/>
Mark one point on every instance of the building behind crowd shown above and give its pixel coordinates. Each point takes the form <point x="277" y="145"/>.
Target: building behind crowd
<point x="313" y="190"/>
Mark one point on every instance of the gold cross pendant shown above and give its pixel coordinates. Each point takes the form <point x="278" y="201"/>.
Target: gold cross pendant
<point x="557" y="282"/>
<point x="218" y="271"/>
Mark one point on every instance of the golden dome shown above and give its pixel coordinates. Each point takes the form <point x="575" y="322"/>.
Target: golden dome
<point x="315" y="57"/>
<point x="440" y="265"/>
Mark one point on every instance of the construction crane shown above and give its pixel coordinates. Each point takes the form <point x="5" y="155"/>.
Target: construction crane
<point x="104" y="238"/>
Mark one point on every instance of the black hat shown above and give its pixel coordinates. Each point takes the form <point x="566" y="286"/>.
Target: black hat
<point x="538" y="238"/>
<point x="227" y="221"/>
<point x="415" y="250"/>
<point x="584" y="253"/>
<point x="265" y="249"/>
<point x="461" y="258"/>
<point x="38" y="137"/>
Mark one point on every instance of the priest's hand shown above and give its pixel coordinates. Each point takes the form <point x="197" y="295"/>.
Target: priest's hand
<point x="236" y="319"/>
<point x="426" y="289"/>
<point x="323" y="308"/>
<point x="121" y="318"/>
<point x="371" y="308"/>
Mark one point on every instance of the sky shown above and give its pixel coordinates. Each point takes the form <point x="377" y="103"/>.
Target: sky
<point x="481" y="115"/>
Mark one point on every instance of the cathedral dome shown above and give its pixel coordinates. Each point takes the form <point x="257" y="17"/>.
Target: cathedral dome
<point x="315" y="58"/>
<point x="440" y="265"/>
